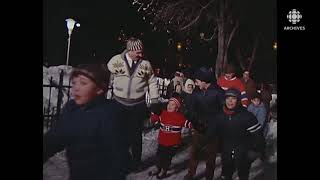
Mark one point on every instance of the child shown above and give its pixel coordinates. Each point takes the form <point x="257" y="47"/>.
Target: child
<point x="88" y="129"/>
<point x="171" y="123"/>
<point x="258" y="108"/>
<point x="240" y="134"/>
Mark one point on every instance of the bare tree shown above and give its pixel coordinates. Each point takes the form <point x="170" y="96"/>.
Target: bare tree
<point x="184" y="15"/>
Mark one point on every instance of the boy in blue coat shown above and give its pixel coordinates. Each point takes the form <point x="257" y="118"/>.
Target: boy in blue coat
<point x="88" y="129"/>
<point x="258" y="109"/>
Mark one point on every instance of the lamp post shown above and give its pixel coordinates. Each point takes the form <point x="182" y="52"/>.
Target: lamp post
<point x="70" y="26"/>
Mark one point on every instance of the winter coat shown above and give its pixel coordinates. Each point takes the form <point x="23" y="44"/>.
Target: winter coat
<point x="260" y="112"/>
<point x="131" y="84"/>
<point x="250" y="87"/>
<point x="239" y="132"/>
<point x="171" y="124"/>
<point x="266" y="97"/>
<point x="204" y="105"/>
<point x="90" y="134"/>
<point x="186" y="103"/>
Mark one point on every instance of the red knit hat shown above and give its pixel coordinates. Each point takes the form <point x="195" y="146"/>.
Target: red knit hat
<point x="176" y="100"/>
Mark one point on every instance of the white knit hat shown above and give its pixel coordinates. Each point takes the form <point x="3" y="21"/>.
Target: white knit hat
<point x="134" y="44"/>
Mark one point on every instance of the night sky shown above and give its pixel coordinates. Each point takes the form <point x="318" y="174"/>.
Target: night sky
<point x="102" y="20"/>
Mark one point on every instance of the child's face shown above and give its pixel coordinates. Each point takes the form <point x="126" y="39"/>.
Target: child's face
<point x="172" y="107"/>
<point x="190" y="88"/>
<point x="231" y="102"/>
<point x="229" y="75"/>
<point x="84" y="90"/>
<point x="256" y="101"/>
<point x="200" y="84"/>
<point x="178" y="88"/>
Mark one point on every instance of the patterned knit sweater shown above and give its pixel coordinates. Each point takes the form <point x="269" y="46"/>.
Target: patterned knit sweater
<point x="131" y="83"/>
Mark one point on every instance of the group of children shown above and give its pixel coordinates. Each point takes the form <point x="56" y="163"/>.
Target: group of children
<point x="172" y="120"/>
<point x="92" y="137"/>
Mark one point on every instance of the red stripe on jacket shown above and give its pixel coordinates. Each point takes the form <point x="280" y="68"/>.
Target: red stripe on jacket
<point x="174" y="120"/>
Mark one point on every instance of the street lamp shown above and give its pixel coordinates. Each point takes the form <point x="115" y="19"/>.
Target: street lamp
<point x="274" y="46"/>
<point x="179" y="46"/>
<point x="70" y="26"/>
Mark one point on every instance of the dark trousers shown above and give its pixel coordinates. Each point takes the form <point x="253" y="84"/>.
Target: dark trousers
<point x="199" y="142"/>
<point x="239" y="161"/>
<point x="132" y="127"/>
<point x="164" y="156"/>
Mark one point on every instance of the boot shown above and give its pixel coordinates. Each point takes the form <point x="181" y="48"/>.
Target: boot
<point x="188" y="177"/>
<point x="162" y="174"/>
<point x="154" y="172"/>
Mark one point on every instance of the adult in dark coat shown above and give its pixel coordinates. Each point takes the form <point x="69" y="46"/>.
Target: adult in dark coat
<point x="207" y="101"/>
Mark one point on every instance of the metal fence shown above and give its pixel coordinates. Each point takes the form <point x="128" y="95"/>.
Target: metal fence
<point x="51" y="111"/>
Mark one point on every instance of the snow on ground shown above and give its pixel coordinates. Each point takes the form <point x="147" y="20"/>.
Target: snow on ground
<point x="56" y="167"/>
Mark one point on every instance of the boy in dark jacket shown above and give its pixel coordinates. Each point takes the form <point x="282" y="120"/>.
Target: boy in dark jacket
<point x="241" y="137"/>
<point x="88" y="129"/>
<point x="171" y="123"/>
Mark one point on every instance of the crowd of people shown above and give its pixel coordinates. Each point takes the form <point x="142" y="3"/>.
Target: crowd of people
<point x="103" y="137"/>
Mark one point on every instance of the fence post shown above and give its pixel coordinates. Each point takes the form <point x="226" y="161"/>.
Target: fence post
<point x="60" y="95"/>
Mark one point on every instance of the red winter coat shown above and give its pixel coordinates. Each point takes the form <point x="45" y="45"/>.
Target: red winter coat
<point x="171" y="124"/>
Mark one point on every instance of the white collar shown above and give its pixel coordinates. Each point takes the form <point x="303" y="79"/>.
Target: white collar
<point x="230" y="79"/>
<point x="129" y="59"/>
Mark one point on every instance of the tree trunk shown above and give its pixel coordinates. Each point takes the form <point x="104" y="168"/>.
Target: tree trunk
<point x="221" y="40"/>
<point x="224" y="37"/>
<point x="253" y="55"/>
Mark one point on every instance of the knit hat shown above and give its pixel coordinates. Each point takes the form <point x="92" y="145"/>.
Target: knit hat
<point x="205" y="74"/>
<point x="98" y="73"/>
<point x="134" y="44"/>
<point x="256" y="95"/>
<point x="232" y="92"/>
<point x="176" y="100"/>
<point x="230" y="69"/>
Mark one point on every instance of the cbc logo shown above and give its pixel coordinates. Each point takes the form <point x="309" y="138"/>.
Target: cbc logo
<point x="294" y="16"/>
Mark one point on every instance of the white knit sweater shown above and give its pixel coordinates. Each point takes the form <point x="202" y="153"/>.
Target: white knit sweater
<point x="130" y="89"/>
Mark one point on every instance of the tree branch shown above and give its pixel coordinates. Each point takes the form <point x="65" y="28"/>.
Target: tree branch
<point x="197" y="18"/>
<point x="214" y="35"/>
<point x="232" y="32"/>
<point x="253" y="55"/>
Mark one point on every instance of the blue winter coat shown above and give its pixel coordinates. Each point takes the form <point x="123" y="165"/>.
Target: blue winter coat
<point x="260" y="112"/>
<point x="91" y="136"/>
